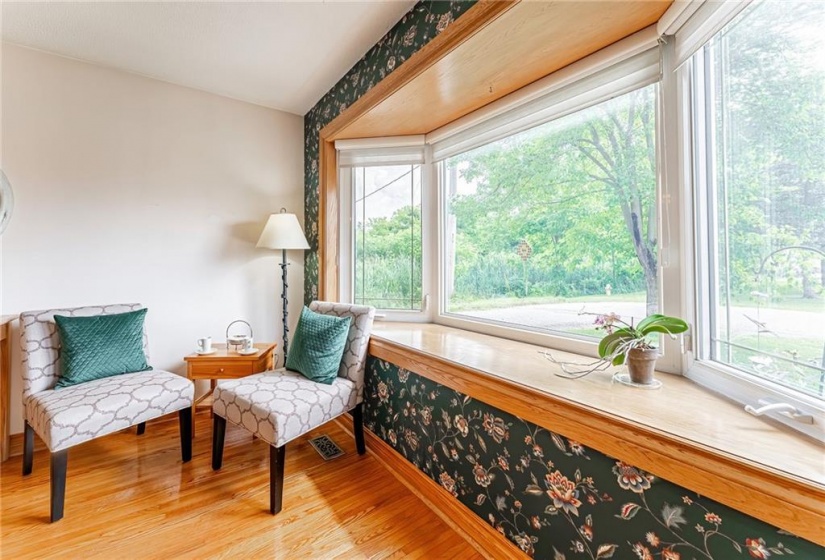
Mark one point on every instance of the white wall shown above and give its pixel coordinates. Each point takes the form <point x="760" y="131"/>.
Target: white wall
<point x="131" y="189"/>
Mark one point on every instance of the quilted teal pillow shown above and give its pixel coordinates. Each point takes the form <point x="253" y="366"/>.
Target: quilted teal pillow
<point x="100" y="346"/>
<point x="318" y="346"/>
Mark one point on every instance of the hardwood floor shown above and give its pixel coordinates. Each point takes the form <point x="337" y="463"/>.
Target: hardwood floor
<point x="131" y="497"/>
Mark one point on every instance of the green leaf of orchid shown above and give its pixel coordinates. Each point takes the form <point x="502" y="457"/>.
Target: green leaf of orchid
<point x="661" y="324"/>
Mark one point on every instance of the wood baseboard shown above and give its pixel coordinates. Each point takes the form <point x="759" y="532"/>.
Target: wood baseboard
<point x="16" y="444"/>
<point x="479" y="534"/>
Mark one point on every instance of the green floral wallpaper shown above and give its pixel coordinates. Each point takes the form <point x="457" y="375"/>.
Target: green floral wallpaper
<point x="551" y="496"/>
<point x="427" y="19"/>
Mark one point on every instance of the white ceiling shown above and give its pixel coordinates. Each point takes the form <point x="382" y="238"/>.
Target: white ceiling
<point x="283" y="55"/>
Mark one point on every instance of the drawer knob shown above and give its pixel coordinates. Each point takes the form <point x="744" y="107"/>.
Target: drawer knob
<point x="220" y="370"/>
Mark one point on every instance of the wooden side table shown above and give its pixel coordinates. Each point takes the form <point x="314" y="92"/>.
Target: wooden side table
<point x="5" y="382"/>
<point x="224" y="364"/>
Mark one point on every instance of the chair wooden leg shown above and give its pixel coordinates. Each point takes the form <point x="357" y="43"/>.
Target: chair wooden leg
<point x="185" y="417"/>
<point x="358" y="428"/>
<point x="59" y="460"/>
<point x="28" y="448"/>
<point x="141" y="428"/>
<point x="218" y="433"/>
<point x="277" y="457"/>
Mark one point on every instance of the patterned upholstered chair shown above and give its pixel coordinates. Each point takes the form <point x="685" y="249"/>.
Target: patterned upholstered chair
<point x="71" y="415"/>
<point x="279" y="406"/>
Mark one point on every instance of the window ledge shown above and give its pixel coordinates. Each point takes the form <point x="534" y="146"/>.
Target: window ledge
<point x="682" y="432"/>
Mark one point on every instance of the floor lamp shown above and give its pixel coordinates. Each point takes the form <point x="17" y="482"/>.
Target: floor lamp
<point x="282" y="231"/>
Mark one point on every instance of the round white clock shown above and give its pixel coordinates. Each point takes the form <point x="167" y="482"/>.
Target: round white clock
<point x="6" y="201"/>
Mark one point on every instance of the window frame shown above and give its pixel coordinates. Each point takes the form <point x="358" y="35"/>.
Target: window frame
<point x="346" y="249"/>
<point x="671" y="350"/>
<point x="699" y="171"/>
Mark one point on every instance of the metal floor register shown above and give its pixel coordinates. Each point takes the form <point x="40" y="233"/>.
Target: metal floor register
<point x="326" y="448"/>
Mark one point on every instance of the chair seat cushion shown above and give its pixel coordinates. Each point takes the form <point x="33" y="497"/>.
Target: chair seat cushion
<point x="71" y="415"/>
<point x="278" y="406"/>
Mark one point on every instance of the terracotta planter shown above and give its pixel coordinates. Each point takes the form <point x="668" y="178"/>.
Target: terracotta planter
<point x="640" y="365"/>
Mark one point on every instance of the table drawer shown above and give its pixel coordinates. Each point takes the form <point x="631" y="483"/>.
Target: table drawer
<point x="220" y="370"/>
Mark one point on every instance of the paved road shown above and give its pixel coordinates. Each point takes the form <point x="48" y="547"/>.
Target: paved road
<point x="566" y="316"/>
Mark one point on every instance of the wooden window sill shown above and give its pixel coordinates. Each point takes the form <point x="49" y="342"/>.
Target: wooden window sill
<point x="681" y="432"/>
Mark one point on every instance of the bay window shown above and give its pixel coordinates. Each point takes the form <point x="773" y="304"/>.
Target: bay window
<point x="684" y="176"/>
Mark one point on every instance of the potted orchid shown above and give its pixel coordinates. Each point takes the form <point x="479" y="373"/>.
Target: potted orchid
<point x="626" y="343"/>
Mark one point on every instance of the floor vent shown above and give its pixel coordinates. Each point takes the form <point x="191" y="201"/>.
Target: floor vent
<point x="326" y="448"/>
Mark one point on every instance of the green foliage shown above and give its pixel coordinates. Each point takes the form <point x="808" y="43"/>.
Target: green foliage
<point x="581" y="191"/>
<point x="772" y="141"/>
<point x="388" y="260"/>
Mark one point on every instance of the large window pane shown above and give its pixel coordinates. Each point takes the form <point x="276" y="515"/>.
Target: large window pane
<point x="765" y="89"/>
<point x="387" y="237"/>
<point x="558" y="220"/>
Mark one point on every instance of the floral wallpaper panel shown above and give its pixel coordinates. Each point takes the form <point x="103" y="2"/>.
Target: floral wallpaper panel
<point x="424" y="21"/>
<point x="551" y="496"/>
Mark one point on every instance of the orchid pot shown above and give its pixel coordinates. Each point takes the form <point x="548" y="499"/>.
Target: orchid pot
<point x="640" y="365"/>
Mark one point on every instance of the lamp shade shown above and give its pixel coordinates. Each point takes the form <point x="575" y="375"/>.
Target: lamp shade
<point x="282" y="231"/>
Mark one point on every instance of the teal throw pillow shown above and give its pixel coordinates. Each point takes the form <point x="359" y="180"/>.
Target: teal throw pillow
<point x="318" y="346"/>
<point x="100" y="346"/>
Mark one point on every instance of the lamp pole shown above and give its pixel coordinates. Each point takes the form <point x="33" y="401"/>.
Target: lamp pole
<point x="285" y="302"/>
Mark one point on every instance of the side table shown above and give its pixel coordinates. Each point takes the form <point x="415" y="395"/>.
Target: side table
<point x="5" y="382"/>
<point x="224" y="364"/>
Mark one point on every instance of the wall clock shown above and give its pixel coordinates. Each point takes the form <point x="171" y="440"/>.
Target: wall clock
<point x="6" y="201"/>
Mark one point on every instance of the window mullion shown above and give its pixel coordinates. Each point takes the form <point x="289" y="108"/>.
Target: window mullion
<point x="346" y="237"/>
<point x="673" y="203"/>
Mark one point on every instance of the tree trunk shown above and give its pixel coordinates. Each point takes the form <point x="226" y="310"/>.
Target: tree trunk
<point x="646" y="253"/>
<point x="652" y="291"/>
<point x="808" y="291"/>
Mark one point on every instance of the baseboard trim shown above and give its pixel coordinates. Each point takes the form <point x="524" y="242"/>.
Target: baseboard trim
<point x="478" y="533"/>
<point x="16" y="444"/>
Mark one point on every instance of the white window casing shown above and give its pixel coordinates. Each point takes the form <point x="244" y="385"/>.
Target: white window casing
<point x="625" y="66"/>
<point x="703" y="24"/>
<point x="369" y="152"/>
<point x="378" y="152"/>
<point x="676" y="16"/>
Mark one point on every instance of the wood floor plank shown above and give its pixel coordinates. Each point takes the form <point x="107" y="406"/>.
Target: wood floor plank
<point x="131" y="497"/>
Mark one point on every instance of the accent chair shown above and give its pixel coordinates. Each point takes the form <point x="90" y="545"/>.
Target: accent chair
<point x="281" y="405"/>
<point x="67" y="416"/>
